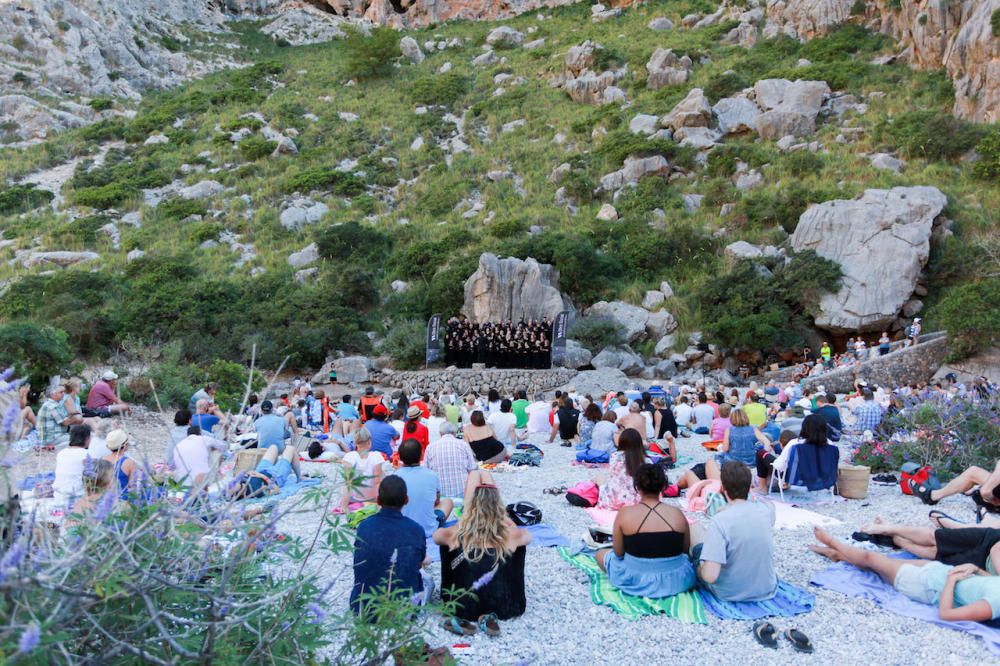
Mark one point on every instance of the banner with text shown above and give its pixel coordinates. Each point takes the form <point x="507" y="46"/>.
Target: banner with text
<point x="559" y="337"/>
<point x="433" y="339"/>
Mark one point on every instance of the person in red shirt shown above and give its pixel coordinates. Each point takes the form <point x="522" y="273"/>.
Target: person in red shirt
<point x="103" y="399"/>
<point x="420" y="401"/>
<point x="414" y="429"/>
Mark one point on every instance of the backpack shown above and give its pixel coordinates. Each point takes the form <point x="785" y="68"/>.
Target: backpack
<point x="923" y="476"/>
<point x="584" y="494"/>
<point x="526" y="458"/>
<point x="524" y="513"/>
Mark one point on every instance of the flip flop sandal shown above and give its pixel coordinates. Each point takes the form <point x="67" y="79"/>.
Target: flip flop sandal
<point x="923" y="492"/>
<point x="800" y="642"/>
<point x="458" y="627"/>
<point x="883" y="540"/>
<point x="764" y="632"/>
<point x="935" y="513"/>
<point x="489" y="625"/>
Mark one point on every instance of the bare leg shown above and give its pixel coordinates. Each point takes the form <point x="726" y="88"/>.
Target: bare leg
<point x="922" y="536"/>
<point x="600" y="555"/>
<point x="712" y="470"/>
<point x="885" y="567"/>
<point x="687" y="480"/>
<point x="445" y="506"/>
<point x="291" y="454"/>
<point x="271" y="455"/>
<point x="963" y="483"/>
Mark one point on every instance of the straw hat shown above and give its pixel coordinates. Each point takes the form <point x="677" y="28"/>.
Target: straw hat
<point x="117" y="439"/>
<point x="413" y="413"/>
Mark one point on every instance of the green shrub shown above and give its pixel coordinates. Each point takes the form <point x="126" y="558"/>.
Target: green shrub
<point x="441" y="89"/>
<point x="249" y="122"/>
<point x="840" y="75"/>
<point x="507" y="228"/>
<point x="596" y="333"/>
<point x="650" y="193"/>
<point x="353" y="242"/>
<point x="583" y="271"/>
<point x="619" y="144"/>
<point x="369" y="57"/>
<point x="232" y="380"/>
<point x="102" y="196"/>
<point x="988" y="149"/>
<point x="256" y="147"/>
<point x="321" y="178"/>
<point x="171" y="43"/>
<point x="970" y="315"/>
<point x="859" y="8"/>
<point x="843" y="42"/>
<point x="929" y="134"/>
<point x="20" y="78"/>
<point x="21" y="198"/>
<point x="723" y="158"/>
<point x="178" y="209"/>
<point x="101" y="104"/>
<point x="405" y="343"/>
<point x="765" y="208"/>
<point x="725" y="85"/>
<point x="104" y="130"/>
<point x="803" y="163"/>
<point x="36" y="351"/>
<point x="995" y="22"/>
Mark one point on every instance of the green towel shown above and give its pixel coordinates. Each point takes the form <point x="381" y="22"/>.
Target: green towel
<point x="686" y="607"/>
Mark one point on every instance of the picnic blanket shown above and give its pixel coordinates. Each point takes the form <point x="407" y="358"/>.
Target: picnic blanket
<point x="788" y="517"/>
<point x="29" y="482"/>
<point x="850" y="580"/>
<point x="686" y="607"/>
<point x="788" y="601"/>
<point x="542" y="536"/>
<point x="288" y="489"/>
<point x="602" y="516"/>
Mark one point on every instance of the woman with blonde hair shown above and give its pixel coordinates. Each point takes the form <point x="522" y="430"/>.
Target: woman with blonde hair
<point x="482" y="560"/>
<point x="739" y="444"/>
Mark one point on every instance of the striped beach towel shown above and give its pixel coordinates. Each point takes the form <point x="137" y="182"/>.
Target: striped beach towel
<point x="788" y="601"/>
<point x="686" y="607"/>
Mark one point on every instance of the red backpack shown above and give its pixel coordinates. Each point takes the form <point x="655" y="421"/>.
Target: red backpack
<point x="923" y="475"/>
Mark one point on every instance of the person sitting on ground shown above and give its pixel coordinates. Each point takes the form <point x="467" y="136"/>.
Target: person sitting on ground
<point x="485" y="545"/>
<point x="434" y="422"/>
<point x="663" y="420"/>
<point x="364" y="468"/>
<point x="755" y="410"/>
<point x="538" y="415"/>
<point x="426" y="505"/>
<point x="414" y="429"/>
<point x="585" y="425"/>
<point x="603" y="437"/>
<point x="651" y="540"/>
<point x="868" y="415"/>
<point x="518" y="408"/>
<point x="346" y="411"/>
<point x="961" y="593"/>
<point x="96" y="480"/>
<point x="182" y="421"/>
<point x="193" y="459"/>
<point x="272" y="430"/>
<point x="206" y="393"/>
<point x="736" y="558"/>
<point x="703" y="414"/>
<point x="768" y="453"/>
<point x="71" y="401"/>
<point x="67" y="486"/>
<point x="620" y="406"/>
<point x="814" y="431"/>
<point x="483" y="441"/>
<point x="98" y="447"/>
<point x="633" y="418"/>
<point x="721" y="423"/>
<point x="452" y="460"/>
<point x="270" y="475"/>
<point x="826" y="406"/>
<point x="103" y="400"/>
<point x="949" y="542"/>
<point x="389" y="549"/>
<point x="566" y="421"/>
<point x="739" y="444"/>
<point x="53" y="419"/>
<point x="118" y="442"/>
<point x="988" y="484"/>
<point x="28" y="420"/>
<point x="617" y="489"/>
<point x="383" y="435"/>
<point x="682" y="413"/>
<point x="504" y="423"/>
<point x="203" y="417"/>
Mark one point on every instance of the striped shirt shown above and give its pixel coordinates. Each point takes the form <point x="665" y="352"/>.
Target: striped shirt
<point x="50" y="418"/>
<point x="452" y="460"/>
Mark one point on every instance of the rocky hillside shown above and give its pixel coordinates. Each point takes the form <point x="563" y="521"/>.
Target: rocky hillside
<point x="749" y="176"/>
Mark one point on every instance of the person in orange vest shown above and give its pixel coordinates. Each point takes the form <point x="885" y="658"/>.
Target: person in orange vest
<point x="369" y="401"/>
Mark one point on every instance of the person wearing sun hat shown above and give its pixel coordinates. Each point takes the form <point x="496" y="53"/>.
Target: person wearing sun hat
<point x="103" y="400"/>
<point x="119" y="442"/>
<point x="414" y="429"/>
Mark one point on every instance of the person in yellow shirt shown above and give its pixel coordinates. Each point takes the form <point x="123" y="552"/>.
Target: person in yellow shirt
<point x="755" y="410"/>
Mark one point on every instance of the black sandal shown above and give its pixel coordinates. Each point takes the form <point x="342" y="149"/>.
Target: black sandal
<point x="923" y="492"/>
<point x="935" y="513"/>
<point x="765" y="632"/>
<point x="883" y="540"/>
<point x="800" y="642"/>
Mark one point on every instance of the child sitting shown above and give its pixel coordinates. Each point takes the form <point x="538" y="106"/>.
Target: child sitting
<point x="362" y="474"/>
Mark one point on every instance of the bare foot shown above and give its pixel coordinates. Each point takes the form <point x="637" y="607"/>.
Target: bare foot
<point x="824" y="537"/>
<point x="828" y="553"/>
<point x="877" y="526"/>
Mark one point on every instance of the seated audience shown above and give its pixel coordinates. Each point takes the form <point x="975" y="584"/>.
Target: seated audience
<point x="482" y="440"/>
<point x="272" y="430"/>
<point x="53" y="419"/>
<point x="961" y="593"/>
<point x="423" y="488"/>
<point x="182" y="421"/>
<point x="434" y="423"/>
<point x="617" y="489"/>
<point x="721" y="423"/>
<point x="737" y="555"/>
<point x="193" y="457"/>
<point x="388" y="550"/>
<point x="651" y="540"/>
<point x="68" y="483"/>
<point x="103" y="400"/>
<point x="538" y="415"/>
<point x="270" y="475"/>
<point x="739" y="444"/>
<point x="383" y="435"/>
<point x="118" y="442"/>
<point x="363" y="472"/>
<point x="755" y="410"/>
<point x="767" y="454"/>
<point x="566" y="421"/>
<point x="204" y="418"/>
<point x="504" y="423"/>
<point x="633" y="418"/>
<point x="602" y="439"/>
<point x="414" y="429"/>
<point x="484" y="543"/>
<point x="826" y="406"/>
<point x="585" y="425"/>
<point x="703" y="415"/>
<point x="95" y="482"/>
<point x="452" y="460"/>
<point x="814" y="432"/>
<point x="663" y="419"/>
<point x="206" y="393"/>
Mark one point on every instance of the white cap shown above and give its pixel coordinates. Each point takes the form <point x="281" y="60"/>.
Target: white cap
<point x="109" y="376"/>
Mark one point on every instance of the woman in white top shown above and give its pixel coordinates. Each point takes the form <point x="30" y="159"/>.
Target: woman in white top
<point x="70" y="463"/>
<point x="435" y="422"/>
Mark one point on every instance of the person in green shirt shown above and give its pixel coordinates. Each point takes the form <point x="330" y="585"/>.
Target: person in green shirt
<point x="453" y="413"/>
<point x="518" y="407"/>
<point x="755" y="410"/>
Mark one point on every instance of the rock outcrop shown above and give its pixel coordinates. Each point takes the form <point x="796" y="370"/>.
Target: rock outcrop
<point x="881" y="241"/>
<point x="513" y="288"/>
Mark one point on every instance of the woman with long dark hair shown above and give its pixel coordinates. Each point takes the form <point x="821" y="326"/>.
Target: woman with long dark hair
<point x="618" y="489"/>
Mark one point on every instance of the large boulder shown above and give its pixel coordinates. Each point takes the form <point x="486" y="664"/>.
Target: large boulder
<point x="736" y="114"/>
<point x="513" y="288"/>
<point x="411" y="50"/>
<point x="665" y="68"/>
<point x="580" y="58"/>
<point x="307" y="255"/>
<point x="881" y="241"/>
<point x="631" y="318"/>
<point x="598" y="382"/>
<point x="350" y="370"/>
<point x="790" y="108"/>
<point x="577" y="356"/>
<point x="504" y="36"/>
<point x="633" y="170"/>
<point x="692" y="111"/>
<point x="806" y="19"/>
<point x="591" y="88"/>
<point x="620" y="358"/>
<point x="659" y="324"/>
<point x="61" y="258"/>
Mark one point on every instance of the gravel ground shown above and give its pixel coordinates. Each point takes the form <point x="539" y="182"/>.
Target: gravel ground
<point x="562" y="626"/>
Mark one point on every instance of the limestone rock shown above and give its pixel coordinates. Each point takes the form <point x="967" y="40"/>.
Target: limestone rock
<point x="692" y="111"/>
<point x="665" y="68"/>
<point x="307" y="255"/>
<point x="644" y="124"/>
<point x="701" y="138"/>
<point x="750" y="180"/>
<point x="156" y="140"/>
<point x="512" y="288"/>
<point x="666" y="289"/>
<point x="577" y="356"/>
<point x="736" y="114"/>
<point x="589" y="87"/>
<point x="485" y="58"/>
<point x="599" y="382"/>
<point x="305" y="275"/>
<point x="631" y="318"/>
<point x="411" y="50"/>
<point x="135" y="255"/>
<point x="806" y="18"/>
<point x="692" y="202"/>
<point x="633" y="170"/>
<point x="350" y="370"/>
<point x="665" y="346"/>
<point x="202" y="190"/>
<point x="742" y="250"/>
<point x="881" y="241"/>
<point x="607" y="213"/>
<point x="303" y="25"/>
<point x="660" y="323"/>
<point x="886" y="162"/>
<point x="301" y="213"/>
<point x="619" y="358"/>
<point x="60" y="258"/>
<point x="660" y="23"/>
<point x="652" y="299"/>
<point x="504" y="36"/>
<point x="790" y="107"/>
<point x="580" y="58"/>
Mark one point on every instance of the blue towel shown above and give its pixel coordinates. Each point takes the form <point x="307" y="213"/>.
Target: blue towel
<point x="592" y="456"/>
<point x="814" y="467"/>
<point x="542" y="536"/>
<point x="28" y="483"/>
<point x="288" y="489"/>
<point x="848" y="579"/>
<point x="788" y="601"/>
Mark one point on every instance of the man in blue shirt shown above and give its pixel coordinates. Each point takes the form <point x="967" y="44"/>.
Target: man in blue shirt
<point x="346" y="411"/>
<point x="826" y="406"/>
<point x="272" y="430"/>
<point x="203" y="417"/>
<point x="388" y="550"/>
<point x="383" y="434"/>
<point x="422" y="488"/>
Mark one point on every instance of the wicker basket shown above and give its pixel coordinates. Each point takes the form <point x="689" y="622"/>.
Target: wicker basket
<point x="247" y="459"/>
<point x="852" y="481"/>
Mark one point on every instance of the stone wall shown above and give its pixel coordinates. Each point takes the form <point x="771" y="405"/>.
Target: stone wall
<point x="902" y="365"/>
<point x="480" y="380"/>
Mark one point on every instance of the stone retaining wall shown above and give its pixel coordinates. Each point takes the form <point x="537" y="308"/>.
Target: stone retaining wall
<point x="480" y="380"/>
<point x="903" y="365"/>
